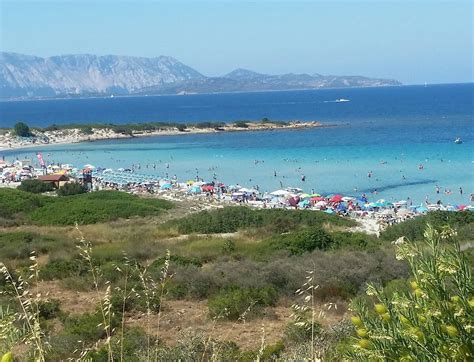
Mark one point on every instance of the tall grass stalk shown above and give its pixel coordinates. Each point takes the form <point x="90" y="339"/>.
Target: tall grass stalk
<point x="85" y="251"/>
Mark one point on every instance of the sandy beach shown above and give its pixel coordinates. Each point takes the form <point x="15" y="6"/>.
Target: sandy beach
<point x="9" y="141"/>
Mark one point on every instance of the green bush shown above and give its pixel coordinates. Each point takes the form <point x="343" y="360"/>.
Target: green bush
<point x="241" y="124"/>
<point x="433" y="322"/>
<point x="87" y="131"/>
<point x="20" y="244"/>
<point x="13" y="202"/>
<point x="303" y="241"/>
<point x="35" y="186"/>
<point x="49" y="309"/>
<point x="95" y="207"/>
<point x="22" y="130"/>
<point x="71" y="188"/>
<point x="234" y="303"/>
<point x="233" y="218"/>
<point x="413" y="229"/>
<point x="60" y="269"/>
<point x="88" y="327"/>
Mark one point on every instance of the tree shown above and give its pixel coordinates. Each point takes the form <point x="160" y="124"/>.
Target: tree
<point x="21" y="129"/>
<point x="433" y="322"/>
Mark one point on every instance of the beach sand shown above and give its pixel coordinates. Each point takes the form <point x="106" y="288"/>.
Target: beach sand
<point x="9" y="141"/>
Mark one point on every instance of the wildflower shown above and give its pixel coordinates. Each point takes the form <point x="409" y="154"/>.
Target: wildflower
<point x="414" y="285"/>
<point x="362" y="332"/>
<point x="455" y="299"/>
<point x="418" y="292"/>
<point x="356" y="321"/>
<point x="386" y="317"/>
<point x="380" y="308"/>
<point x="451" y="330"/>
<point x="7" y="357"/>
<point x="471" y="302"/>
<point x="364" y="343"/>
<point x="417" y="333"/>
<point x="405" y="320"/>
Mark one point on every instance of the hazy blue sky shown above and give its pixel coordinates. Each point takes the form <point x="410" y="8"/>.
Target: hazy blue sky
<point x="411" y="41"/>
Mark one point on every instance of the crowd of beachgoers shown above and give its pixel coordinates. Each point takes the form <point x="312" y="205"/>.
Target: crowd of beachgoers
<point x="374" y="215"/>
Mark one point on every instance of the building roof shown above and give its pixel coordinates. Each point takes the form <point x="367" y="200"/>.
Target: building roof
<point x="54" y="178"/>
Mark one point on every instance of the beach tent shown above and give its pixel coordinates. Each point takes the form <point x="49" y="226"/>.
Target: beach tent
<point x="166" y="187"/>
<point x="320" y="204"/>
<point x="421" y="209"/>
<point x="329" y="211"/>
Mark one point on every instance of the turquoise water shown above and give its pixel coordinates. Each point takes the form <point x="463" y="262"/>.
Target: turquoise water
<point x="334" y="160"/>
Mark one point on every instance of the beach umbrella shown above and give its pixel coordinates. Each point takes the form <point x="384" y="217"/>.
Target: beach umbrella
<point x="166" y="187"/>
<point x="348" y="198"/>
<point x="293" y="201"/>
<point x="280" y="193"/>
<point x="315" y="195"/>
<point x="336" y="198"/>
<point x="305" y="196"/>
<point x="317" y="199"/>
<point x="303" y="203"/>
<point x="196" y="190"/>
<point x="461" y="207"/>
<point x="320" y="204"/>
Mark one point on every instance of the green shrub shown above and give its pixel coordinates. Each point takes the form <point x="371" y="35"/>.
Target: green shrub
<point x="87" y="131"/>
<point x="60" y="269"/>
<point x="35" y="186"/>
<point x="241" y="124"/>
<point x="303" y="241"/>
<point x="49" y="308"/>
<point x="88" y="327"/>
<point x="234" y="303"/>
<point x="233" y="218"/>
<point x="95" y="207"/>
<point x="413" y="229"/>
<point x="13" y="202"/>
<point x="71" y="188"/>
<point x="434" y="320"/>
<point x="20" y="244"/>
<point x="22" y="130"/>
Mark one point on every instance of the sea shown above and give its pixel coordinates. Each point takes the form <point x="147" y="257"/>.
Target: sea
<point x="402" y="137"/>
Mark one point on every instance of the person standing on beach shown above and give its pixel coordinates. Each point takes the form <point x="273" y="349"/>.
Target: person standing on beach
<point x="460" y="190"/>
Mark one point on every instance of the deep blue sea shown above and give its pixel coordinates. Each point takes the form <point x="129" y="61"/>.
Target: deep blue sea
<point x="389" y="131"/>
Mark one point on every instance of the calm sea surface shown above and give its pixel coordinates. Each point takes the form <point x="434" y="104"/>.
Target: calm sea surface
<point x="389" y="131"/>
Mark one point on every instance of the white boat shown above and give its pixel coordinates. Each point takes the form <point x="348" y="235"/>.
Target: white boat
<point x="342" y="100"/>
<point x="458" y="141"/>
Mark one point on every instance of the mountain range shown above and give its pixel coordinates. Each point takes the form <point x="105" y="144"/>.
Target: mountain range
<point x="26" y="76"/>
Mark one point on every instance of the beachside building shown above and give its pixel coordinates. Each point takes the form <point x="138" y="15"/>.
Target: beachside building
<point x="56" y="180"/>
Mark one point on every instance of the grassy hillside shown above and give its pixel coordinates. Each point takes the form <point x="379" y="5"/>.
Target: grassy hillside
<point x="82" y="209"/>
<point x="197" y="286"/>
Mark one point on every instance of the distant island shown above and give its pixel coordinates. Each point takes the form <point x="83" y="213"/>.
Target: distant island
<point x="28" y="77"/>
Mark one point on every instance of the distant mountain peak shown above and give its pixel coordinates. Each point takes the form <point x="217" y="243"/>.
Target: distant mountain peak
<point x="70" y="75"/>
<point x="241" y="73"/>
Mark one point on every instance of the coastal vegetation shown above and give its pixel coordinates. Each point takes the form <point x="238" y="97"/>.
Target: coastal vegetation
<point x="144" y="279"/>
<point x="21" y="129"/>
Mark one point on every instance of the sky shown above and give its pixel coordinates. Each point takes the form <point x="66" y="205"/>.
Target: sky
<point x="411" y="41"/>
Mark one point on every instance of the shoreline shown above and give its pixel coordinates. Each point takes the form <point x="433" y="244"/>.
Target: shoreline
<point x="10" y="142"/>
